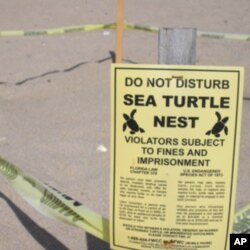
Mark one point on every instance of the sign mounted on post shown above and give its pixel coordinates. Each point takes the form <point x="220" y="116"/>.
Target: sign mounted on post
<point x="174" y="157"/>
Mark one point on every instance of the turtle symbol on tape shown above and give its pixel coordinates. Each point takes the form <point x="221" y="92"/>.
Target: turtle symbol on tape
<point x="131" y="123"/>
<point x="219" y="126"/>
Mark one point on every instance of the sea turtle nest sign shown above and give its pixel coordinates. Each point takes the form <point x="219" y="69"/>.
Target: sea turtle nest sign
<point x="174" y="155"/>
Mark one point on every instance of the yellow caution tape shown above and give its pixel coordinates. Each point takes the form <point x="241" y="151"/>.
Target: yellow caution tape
<point x="58" y="31"/>
<point x="230" y="36"/>
<point x="53" y="203"/>
<point x="129" y="26"/>
<point x="242" y="220"/>
<point x="217" y="35"/>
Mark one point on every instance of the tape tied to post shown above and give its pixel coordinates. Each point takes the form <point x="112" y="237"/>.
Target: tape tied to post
<point x="126" y="25"/>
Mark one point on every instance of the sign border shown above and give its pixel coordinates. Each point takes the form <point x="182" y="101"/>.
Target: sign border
<point x="115" y="71"/>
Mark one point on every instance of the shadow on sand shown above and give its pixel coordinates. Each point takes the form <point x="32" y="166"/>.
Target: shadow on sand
<point x="111" y="57"/>
<point x="43" y="237"/>
<point x="53" y="72"/>
<point x="94" y="243"/>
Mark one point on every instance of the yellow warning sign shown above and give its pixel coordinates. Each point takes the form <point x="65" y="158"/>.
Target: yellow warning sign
<point x="175" y="145"/>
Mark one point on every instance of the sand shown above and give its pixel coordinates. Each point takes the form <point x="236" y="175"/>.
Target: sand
<point x="55" y="100"/>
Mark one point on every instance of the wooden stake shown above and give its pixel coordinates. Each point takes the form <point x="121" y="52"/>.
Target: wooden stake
<point x="177" y="46"/>
<point x="119" y="31"/>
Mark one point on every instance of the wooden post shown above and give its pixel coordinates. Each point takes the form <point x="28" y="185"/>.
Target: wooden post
<point x="177" y="46"/>
<point x="119" y="31"/>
